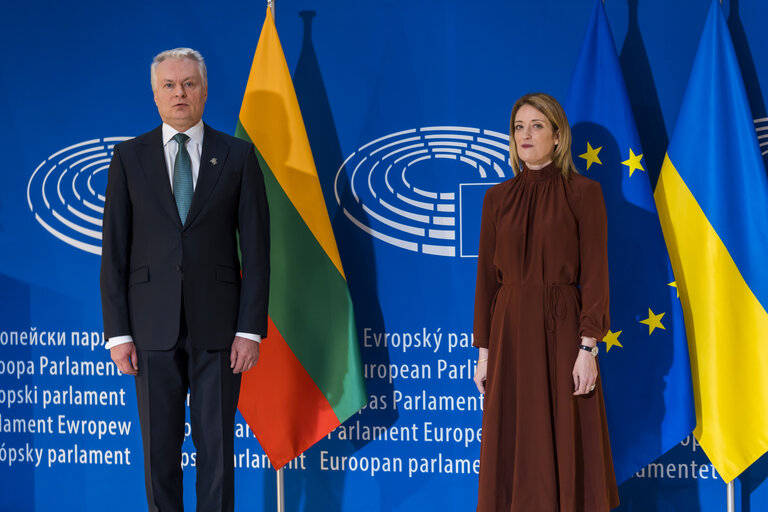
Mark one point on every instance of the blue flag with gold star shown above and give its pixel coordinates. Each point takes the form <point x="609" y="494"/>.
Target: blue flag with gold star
<point x="644" y="360"/>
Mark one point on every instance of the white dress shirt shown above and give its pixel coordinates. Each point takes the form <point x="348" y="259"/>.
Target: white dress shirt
<point x="170" y="149"/>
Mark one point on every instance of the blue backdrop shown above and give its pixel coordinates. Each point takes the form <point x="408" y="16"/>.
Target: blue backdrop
<point x="370" y="77"/>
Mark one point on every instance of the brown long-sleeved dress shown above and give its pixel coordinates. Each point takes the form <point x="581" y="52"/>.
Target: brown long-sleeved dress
<point x="542" y="283"/>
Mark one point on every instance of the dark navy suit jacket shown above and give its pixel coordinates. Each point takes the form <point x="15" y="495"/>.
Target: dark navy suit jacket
<point x="149" y="259"/>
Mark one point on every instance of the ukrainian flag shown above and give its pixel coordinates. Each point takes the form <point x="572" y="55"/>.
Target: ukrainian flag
<point x="712" y="197"/>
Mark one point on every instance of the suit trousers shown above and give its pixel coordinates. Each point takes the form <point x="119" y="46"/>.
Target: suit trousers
<point x="161" y="391"/>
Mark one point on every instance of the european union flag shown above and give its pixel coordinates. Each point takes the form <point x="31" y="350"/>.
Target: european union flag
<point x="644" y="361"/>
<point x="713" y="198"/>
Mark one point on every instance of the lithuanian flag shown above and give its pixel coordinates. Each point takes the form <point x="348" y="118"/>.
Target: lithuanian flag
<point x="712" y="197"/>
<point x="308" y="379"/>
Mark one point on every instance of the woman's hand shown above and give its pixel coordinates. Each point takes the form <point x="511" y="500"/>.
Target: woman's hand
<point x="585" y="370"/>
<point x="481" y="370"/>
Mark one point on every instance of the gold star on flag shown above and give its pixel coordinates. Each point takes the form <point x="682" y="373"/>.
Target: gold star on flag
<point x="611" y="339"/>
<point x="673" y="284"/>
<point x="653" y="321"/>
<point x="633" y="162"/>
<point x="591" y="155"/>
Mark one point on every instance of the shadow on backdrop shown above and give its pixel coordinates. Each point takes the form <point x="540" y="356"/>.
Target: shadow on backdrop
<point x="643" y="96"/>
<point x="750" y="480"/>
<point x="654" y="490"/>
<point x="2" y="228"/>
<point x="748" y="69"/>
<point x="325" y="490"/>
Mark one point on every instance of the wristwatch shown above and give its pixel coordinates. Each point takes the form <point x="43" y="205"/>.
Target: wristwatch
<point x="592" y="350"/>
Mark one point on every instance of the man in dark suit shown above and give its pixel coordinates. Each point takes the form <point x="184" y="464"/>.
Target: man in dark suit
<point x="181" y="311"/>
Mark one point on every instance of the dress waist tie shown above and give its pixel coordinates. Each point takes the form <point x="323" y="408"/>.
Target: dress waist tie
<point x="554" y="310"/>
<point x="554" y="305"/>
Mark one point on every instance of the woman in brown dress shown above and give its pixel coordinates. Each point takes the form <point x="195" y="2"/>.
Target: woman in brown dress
<point x="541" y="305"/>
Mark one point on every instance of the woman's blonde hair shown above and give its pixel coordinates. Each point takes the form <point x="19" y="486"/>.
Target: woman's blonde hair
<point x="555" y="114"/>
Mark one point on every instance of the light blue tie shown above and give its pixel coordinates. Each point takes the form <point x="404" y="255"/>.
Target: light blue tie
<point x="182" y="177"/>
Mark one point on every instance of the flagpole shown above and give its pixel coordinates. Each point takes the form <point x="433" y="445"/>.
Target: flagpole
<point x="731" y="497"/>
<point x="281" y="491"/>
<point x="280" y="480"/>
<point x="279" y="473"/>
<point x="730" y="490"/>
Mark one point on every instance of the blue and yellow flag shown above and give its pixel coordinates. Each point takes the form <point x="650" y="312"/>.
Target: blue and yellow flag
<point x="712" y="197"/>
<point x="644" y="364"/>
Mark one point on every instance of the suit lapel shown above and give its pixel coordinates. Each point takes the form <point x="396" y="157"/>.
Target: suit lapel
<point x="152" y="160"/>
<point x="212" y="160"/>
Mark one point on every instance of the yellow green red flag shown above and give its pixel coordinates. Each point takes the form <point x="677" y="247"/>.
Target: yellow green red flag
<point x="309" y="378"/>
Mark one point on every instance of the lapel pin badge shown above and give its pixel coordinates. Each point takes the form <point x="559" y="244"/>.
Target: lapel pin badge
<point x="214" y="161"/>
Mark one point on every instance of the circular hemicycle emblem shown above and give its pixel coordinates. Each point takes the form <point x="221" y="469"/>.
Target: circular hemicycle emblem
<point x="421" y="189"/>
<point x="66" y="192"/>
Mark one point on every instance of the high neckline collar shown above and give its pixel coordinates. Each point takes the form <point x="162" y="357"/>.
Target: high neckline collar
<point x="547" y="172"/>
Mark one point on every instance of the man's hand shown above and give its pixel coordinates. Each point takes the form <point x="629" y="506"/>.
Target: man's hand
<point x="244" y="354"/>
<point x="124" y="356"/>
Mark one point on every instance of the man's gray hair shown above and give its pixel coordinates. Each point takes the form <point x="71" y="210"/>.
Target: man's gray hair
<point x="179" y="53"/>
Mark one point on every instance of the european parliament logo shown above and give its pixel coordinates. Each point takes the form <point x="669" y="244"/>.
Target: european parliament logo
<point x="422" y="189"/>
<point x="66" y="192"/>
<point x="761" y="127"/>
